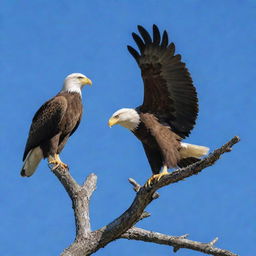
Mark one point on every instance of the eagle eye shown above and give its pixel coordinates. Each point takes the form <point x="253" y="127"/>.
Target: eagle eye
<point x="80" y="77"/>
<point x="116" y="116"/>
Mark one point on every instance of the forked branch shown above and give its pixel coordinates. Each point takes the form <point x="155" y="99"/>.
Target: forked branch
<point x="88" y="242"/>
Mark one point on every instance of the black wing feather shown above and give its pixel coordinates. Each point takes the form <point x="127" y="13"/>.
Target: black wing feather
<point x="155" y="158"/>
<point x="164" y="43"/>
<point x="139" y="42"/>
<point x="145" y="35"/>
<point x="156" y="35"/>
<point x="133" y="52"/>
<point x="169" y="93"/>
<point x="187" y="161"/>
<point x="171" y="48"/>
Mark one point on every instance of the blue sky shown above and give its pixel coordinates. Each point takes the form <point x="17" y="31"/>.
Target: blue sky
<point x="43" y="41"/>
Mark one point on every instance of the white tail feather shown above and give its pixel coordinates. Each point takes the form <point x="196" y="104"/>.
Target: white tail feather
<point x="31" y="162"/>
<point x="190" y="150"/>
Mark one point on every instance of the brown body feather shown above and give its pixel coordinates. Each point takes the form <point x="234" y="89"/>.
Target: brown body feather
<point x="161" y="145"/>
<point x="54" y="123"/>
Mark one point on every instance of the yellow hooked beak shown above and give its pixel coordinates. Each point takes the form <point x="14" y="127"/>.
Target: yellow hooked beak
<point x="86" y="80"/>
<point x="112" y="121"/>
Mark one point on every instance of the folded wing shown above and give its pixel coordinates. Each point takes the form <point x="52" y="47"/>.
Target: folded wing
<point x="46" y="122"/>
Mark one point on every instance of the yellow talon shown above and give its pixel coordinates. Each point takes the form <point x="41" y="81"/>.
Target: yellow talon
<point x="156" y="177"/>
<point x="55" y="160"/>
<point x="151" y="180"/>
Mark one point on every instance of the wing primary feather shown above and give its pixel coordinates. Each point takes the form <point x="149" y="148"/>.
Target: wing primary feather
<point x="138" y="41"/>
<point x="171" y="48"/>
<point x="144" y="33"/>
<point x="156" y="35"/>
<point x="133" y="52"/>
<point x="164" y="39"/>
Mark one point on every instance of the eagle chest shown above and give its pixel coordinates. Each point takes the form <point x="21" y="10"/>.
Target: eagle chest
<point x="144" y="135"/>
<point x="73" y="113"/>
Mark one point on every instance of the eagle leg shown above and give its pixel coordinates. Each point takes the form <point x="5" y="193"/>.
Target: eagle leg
<point x="156" y="177"/>
<point x="56" y="161"/>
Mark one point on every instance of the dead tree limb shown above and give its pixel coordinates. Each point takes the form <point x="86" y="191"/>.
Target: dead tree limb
<point x="88" y="242"/>
<point x="177" y="242"/>
<point x="80" y="197"/>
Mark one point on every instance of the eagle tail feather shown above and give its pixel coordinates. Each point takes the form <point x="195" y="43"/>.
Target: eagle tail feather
<point x="31" y="162"/>
<point x="190" y="150"/>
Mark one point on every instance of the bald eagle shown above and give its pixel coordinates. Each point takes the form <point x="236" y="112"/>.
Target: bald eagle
<point x="52" y="125"/>
<point x="169" y="109"/>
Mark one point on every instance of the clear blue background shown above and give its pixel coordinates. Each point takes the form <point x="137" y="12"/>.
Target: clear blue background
<point x="43" y="41"/>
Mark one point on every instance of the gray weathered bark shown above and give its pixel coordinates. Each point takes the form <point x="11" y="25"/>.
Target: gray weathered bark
<point x="177" y="242"/>
<point x="88" y="242"/>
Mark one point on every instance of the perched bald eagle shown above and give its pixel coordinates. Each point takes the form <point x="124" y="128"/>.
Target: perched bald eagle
<point x="54" y="122"/>
<point x="169" y="108"/>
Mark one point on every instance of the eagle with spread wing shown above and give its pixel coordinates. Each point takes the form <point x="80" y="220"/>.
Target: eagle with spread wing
<point x="169" y="109"/>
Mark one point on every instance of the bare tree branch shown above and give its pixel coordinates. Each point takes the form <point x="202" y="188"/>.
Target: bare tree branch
<point x="136" y="185"/>
<point x="88" y="242"/>
<point x="197" y="167"/>
<point x="80" y="197"/>
<point x="140" y="234"/>
<point x="144" y="196"/>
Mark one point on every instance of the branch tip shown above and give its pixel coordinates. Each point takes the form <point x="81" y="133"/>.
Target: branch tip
<point x="175" y="249"/>
<point x="145" y="215"/>
<point x="155" y="196"/>
<point x="136" y="185"/>
<point x="184" y="236"/>
<point x="237" y="138"/>
<point x="214" y="241"/>
<point x="91" y="180"/>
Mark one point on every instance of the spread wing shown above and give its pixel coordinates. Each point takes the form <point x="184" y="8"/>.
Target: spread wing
<point x="169" y="93"/>
<point x="45" y="123"/>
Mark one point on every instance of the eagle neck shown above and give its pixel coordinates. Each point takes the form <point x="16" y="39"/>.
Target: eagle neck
<point x="77" y="94"/>
<point x="72" y="87"/>
<point x="133" y="122"/>
<point x="73" y="90"/>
